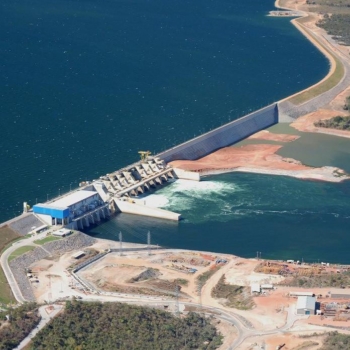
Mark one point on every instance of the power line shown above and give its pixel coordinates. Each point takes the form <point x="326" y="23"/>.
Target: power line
<point x="120" y="243"/>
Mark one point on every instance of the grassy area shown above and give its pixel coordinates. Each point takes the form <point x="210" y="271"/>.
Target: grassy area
<point x="238" y="297"/>
<point x="21" y="251"/>
<point x="6" y="296"/>
<point x="181" y="281"/>
<point x="7" y="237"/>
<point x="335" y="280"/>
<point x="328" y="84"/>
<point x="46" y="240"/>
<point x="201" y="279"/>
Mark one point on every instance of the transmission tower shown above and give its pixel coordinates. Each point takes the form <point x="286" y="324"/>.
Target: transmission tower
<point x="149" y="242"/>
<point x="50" y="290"/>
<point x="200" y="285"/>
<point x="177" y="308"/>
<point x="120" y="244"/>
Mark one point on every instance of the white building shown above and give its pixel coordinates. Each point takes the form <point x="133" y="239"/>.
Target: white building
<point x="306" y="305"/>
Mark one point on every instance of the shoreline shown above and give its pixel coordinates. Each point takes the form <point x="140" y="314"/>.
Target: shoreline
<point x="318" y="45"/>
<point x="326" y="176"/>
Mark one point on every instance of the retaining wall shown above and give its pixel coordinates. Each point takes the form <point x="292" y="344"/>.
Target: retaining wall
<point x="223" y="136"/>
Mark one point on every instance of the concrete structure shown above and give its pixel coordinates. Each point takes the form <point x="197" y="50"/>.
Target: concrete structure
<point x="76" y="210"/>
<point x="134" y="180"/>
<point x="267" y="286"/>
<point x="306" y="305"/>
<point x="340" y="293"/>
<point x="255" y="288"/>
<point x="132" y="207"/>
<point x="63" y="232"/>
<point x="299" y="294"/>
<point x="223" y="136"/>
<point x="78" y="255"/>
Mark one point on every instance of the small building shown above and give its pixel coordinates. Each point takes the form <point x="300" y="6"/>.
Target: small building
<point x="78" y="255"/>
<point x="340" y="293"/>
<point x="306" y="305"/>
<point x="63" y="232"/>
<point x="301" y="294"/>
<point x="255" y="288"/>
<point x="267" y="286"/>
<point x="35" y="230"/>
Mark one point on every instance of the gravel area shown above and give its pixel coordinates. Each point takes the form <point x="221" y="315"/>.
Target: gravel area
<point x="74" y="242"/>
<point x="19" y="265"/>
<point x="24" y="225"/>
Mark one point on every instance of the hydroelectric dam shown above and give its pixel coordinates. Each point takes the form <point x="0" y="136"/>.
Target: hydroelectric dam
<point x="122" y="190"/>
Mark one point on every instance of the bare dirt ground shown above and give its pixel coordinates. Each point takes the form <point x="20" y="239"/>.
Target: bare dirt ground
<point x="122" y="273"/>
<point x="291" y="340"/>
<point x="228" y="331"/>
<point x="266" y="135"/>
<point x="333" y="109"/>
<point x="255" y="156"/>
<point x="270" y="309"/>
<point x="261" y="158"/>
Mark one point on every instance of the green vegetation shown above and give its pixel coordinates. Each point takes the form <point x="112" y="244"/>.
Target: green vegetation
<point x="112" y="326"/>
<point x="201" y="279"/>
<point x="336" y="340"/>
<point x="46" y="240"/>
<point x="237" y="297"/>
<point x="7" y="237"/>
<point x="326" y="85"/>
<point x="340" y="123"/>
<point x="22" y="320"/>
<point x="21" y="251"/>
<point x="337" y="25"/>
<point x="336" y="280"/>
<point x="6" y="296"/>
<point x="306" y="345"/>
<point x="181" y="281"/>
<point x="329" y="6"/>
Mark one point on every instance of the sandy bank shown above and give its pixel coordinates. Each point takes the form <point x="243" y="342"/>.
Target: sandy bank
<point x="267" y="135"/>
<point x="306" y="123"/>
<point x="258" y="159"/>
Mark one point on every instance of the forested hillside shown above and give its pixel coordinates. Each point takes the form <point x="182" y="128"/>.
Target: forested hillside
<point x="16" y="324"/>
<point x="112" y="326"/>
<point x="336" y="18"/>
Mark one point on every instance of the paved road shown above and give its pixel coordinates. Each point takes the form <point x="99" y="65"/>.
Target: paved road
<point x="238" y="321"/>
<point x="5" y="265"/>
<point x="45" y="319"/>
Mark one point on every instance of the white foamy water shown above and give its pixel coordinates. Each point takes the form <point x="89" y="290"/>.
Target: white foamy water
<point x="186" y="196"/>
<point x="156" y="200"/>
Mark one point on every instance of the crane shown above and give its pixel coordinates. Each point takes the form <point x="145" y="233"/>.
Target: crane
<point x="144" y="154"/>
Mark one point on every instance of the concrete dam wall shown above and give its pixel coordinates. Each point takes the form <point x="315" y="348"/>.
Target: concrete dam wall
<point x="223" y="136"/>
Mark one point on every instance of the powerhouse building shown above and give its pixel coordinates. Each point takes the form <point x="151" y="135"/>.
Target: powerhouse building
<point x="76" y="210"/>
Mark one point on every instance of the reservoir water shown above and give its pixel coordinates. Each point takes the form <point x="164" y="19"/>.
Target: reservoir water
<point x="85" y="85"/>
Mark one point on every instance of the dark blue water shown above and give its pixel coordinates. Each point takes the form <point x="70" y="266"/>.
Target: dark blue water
<point x="86" y="84"/>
